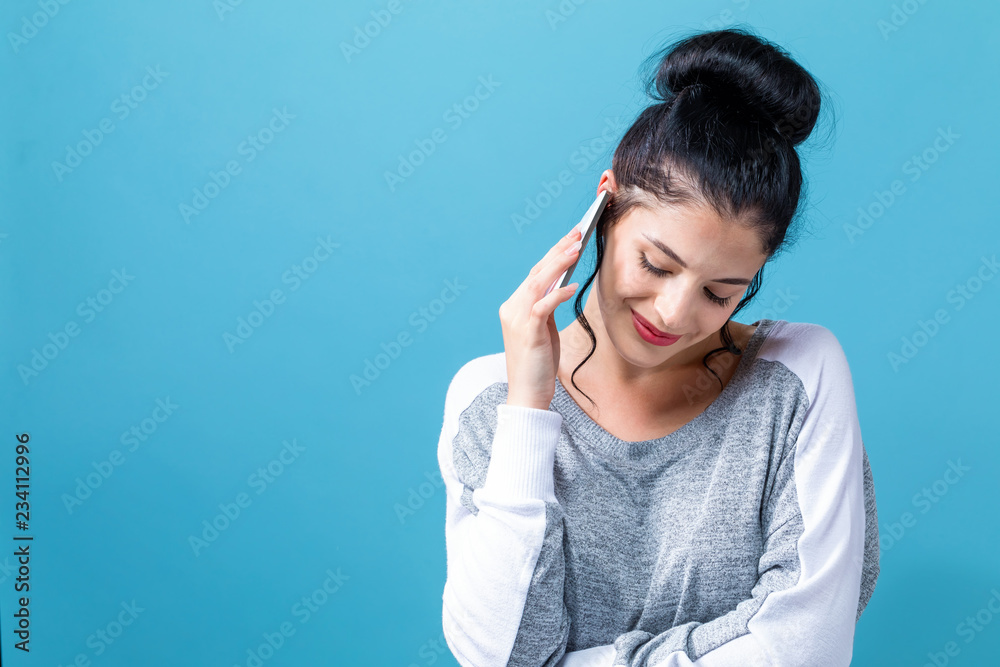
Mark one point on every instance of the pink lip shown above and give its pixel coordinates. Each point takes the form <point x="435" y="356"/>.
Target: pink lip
<point x="649" y="333"/>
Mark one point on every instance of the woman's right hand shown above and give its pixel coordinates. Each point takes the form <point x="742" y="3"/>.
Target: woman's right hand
<point x="530" y="337"/>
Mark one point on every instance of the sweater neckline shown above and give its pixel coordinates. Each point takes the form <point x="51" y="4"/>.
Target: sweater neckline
<point x="579" y="420"/>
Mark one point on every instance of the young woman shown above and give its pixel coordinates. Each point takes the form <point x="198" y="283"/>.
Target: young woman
<point x="657" y="484"/>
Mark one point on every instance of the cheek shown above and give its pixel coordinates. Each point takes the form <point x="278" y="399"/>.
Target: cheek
<point x="627" y="278"/>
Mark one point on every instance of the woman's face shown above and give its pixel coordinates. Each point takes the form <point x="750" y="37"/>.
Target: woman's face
<point x="683" y="270"/>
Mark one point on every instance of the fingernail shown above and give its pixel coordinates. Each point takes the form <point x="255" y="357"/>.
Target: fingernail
<point x="573" y="248"/>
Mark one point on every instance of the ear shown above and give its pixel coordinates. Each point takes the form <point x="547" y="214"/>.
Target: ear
<point x="607" y="182"/>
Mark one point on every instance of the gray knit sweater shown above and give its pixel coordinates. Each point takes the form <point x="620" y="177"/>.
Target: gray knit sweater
<point x="746" y="537"/>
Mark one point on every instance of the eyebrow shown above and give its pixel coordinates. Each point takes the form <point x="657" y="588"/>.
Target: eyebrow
<point x="672" y="255"/>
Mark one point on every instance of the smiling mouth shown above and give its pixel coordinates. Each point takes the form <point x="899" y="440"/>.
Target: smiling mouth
<point x="651" y="329"/>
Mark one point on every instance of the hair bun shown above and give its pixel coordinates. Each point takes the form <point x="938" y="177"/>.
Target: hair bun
<point x="742" y="69"/>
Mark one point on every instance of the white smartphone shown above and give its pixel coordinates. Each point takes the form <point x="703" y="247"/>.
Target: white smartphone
<point x="587" y="225"/>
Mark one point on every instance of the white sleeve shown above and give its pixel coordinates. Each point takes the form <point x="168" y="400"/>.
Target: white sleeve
<point x="503" y="533"/>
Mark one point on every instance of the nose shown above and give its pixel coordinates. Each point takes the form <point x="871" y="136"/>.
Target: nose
<point x="675" y="308"/>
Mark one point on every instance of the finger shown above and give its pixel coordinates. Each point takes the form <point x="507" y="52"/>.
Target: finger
<point x="561" y="246"/>
<point x="547" y="305"/>
<point x="550" y="274"/>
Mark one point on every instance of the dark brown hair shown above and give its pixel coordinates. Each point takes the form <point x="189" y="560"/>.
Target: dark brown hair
<point x="730" y="109"/>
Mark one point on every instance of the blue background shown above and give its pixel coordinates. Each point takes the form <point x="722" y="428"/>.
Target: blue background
<point x="365" y="453"/>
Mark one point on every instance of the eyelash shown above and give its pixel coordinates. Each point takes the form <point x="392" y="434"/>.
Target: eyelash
<point x="660" y="273"/>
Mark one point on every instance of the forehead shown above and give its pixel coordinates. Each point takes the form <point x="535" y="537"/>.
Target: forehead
<point x="695" y="229"/>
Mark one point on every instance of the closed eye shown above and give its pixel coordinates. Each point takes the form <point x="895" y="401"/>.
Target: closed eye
<point x="662" y="272"/>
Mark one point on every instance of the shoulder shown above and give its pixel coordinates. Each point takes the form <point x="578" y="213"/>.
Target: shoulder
<point x="470" y="417"/>
<point x="810" y="351"/>
<point x="802" y="344"/>
<point x="472" y="379"/>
